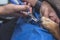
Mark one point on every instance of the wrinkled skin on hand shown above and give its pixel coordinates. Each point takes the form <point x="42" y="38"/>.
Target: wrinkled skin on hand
<point x="50" y="21"/>
<point x="49" y="12"/>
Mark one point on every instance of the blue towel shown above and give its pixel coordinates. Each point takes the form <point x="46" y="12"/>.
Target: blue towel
<point x="30" y="31"/>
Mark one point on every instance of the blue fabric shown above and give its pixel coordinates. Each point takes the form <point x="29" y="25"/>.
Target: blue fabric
<point x="30" y="30"/>
<point x="27" y="31"/>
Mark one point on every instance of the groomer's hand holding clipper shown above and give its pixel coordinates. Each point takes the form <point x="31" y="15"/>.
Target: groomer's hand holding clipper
<point x="28" y="11"/>
<point x="12" y="8"/>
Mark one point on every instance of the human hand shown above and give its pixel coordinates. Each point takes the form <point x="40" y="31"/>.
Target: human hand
<point x="12" y="9"/>
<point x="50" y="21"/>
<point x="29" y="10"/>
<point x="48" y="12"/>
<point x="51" y="26"/>
<point x="32" y="2"/>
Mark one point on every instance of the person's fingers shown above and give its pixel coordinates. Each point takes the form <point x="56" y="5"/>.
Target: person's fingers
<point x="25" y="13"/>
<point x="54" y="17"/>
<point x="21" y="7"/>
<point x="12" y="8"/>
<point x="46" y="13"/>
<point x="44" y="10"/>
<point x="30" y="9"/>
<point x="57" y="20"/>
<point x="32" y="2"/>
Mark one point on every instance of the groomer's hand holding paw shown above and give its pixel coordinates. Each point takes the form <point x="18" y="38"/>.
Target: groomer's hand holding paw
<point x="50" y="20"/>
<point x="49" y="12"/>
